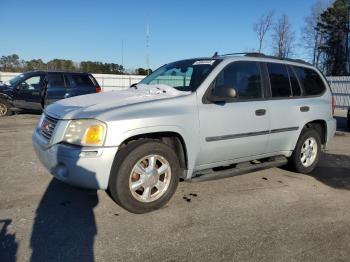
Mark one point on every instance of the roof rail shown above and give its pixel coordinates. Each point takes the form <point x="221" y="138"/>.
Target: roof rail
<point x="257" y="54"/>
<point x="246" y="54"/>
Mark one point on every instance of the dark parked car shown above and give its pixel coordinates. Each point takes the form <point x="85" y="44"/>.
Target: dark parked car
<point x="349" y="117"/>
<point x="35" y="90"/>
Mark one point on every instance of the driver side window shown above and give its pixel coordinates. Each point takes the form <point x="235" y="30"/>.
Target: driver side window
<point x="244" y="77"/>
<point x="32" y="83"/>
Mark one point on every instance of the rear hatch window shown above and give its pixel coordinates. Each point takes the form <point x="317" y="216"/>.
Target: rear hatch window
<point x="82" y="81"/>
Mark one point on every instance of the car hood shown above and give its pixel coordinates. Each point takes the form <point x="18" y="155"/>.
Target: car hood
<point x="5" y="89"/>
<point x="90" y="106"/>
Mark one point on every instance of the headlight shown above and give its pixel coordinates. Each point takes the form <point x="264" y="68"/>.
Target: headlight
<point x="85" y="132"/>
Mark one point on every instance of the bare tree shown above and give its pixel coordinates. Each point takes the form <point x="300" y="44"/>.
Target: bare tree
<point x="262" y="26"/>
<point x="283" y="37"/>
<point x="312" y="38"/>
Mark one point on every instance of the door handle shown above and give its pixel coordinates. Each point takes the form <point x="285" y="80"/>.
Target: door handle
<point x="260" y="112"/>
<point x="304" y="108"/>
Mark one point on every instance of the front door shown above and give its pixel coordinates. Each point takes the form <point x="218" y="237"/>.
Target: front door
<point x="239" y="127"/>
<point x="27" y="94"/>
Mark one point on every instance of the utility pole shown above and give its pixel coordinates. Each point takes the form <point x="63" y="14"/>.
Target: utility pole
<point x="122" y="53"/>
<point x="348" y="38"/>
<point x="147" y="48"/>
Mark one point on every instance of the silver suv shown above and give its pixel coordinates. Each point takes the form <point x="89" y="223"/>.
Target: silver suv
<point x="195" y="119"/>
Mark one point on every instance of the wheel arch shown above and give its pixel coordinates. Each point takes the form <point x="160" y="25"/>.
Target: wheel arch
<point x="321" y="127"/>
<point x="5" y="97"/>
<point x="173" y="139"/>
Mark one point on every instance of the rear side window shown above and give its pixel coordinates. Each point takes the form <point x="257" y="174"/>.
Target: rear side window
<point x="296" y="91"/>
<point x="244" y="77"/>
<point x="55" y="80"/>
<point x="81" y="81"/>
<point x="310" y="81"/>
<point x="279" y="78"/>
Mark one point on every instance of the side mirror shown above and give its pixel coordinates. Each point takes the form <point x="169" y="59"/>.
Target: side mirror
<point x="222" y="93"/>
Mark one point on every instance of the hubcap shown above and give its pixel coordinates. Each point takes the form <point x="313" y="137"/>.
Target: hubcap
<point x="3" y="110"/>
<point x="150" y="178"/>
<point x="308" y="152"/>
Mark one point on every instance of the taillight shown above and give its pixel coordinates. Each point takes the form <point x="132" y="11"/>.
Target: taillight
<point x="98" y="89"/>
<point x="333" y="104"/>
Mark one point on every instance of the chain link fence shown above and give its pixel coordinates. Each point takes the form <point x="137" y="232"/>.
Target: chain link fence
<point x="340" y="86"/>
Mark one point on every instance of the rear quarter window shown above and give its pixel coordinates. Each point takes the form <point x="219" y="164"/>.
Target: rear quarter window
<point x="310" y="81"/>
<point x="81" y="81"/>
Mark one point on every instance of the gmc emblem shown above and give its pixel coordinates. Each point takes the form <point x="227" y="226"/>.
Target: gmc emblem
<point x="46" y="126"/>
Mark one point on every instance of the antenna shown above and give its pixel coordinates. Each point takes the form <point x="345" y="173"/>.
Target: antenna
<point x="147" y="47"/>
<point x="122" y="53"/>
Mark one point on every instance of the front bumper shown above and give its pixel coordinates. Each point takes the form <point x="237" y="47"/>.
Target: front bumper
<point x="87" y="167"/>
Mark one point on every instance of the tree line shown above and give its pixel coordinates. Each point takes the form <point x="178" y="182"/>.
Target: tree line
<point x="13" y="63"/>
<point x="325" y="36"/>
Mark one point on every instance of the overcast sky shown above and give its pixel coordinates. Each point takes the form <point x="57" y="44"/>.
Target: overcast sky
<point x="94" y="30"/>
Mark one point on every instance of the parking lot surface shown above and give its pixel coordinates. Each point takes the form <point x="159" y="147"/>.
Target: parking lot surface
<point x="271" y="215"/>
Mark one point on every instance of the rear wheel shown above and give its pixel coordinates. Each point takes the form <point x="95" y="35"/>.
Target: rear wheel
<point x="307" y="151"/>
<point x="144" y="176"/>
<point x="4" y="108"/>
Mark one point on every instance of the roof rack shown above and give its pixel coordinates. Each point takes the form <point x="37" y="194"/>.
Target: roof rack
<point x="257" y="54"/>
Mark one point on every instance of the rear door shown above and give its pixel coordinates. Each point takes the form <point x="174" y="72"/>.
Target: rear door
<point x="285" y="105"/>
<point x="237" y="128"/>
<point x="55" y="88"/>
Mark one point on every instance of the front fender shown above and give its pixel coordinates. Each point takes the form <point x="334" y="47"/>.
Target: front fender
<point x="190" y="139"/>
<point x="5" y="96"/>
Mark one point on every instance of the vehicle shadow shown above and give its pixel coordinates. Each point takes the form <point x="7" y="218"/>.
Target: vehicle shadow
<point x="64" y="228"/>
<point x="8" y="243"/>
<point x="333" y="170"/>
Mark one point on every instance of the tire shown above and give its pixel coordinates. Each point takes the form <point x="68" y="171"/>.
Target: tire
<point x="305" y="162"/>
<point x="5" y="108"/>
<point x="126" y="173"/>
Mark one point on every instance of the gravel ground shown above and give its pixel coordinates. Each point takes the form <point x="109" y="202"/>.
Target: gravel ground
<point x="271" y="215"/>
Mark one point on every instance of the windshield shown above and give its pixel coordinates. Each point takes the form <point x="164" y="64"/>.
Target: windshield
<point x="16" y="79"/>
<point x="185" y="75"/>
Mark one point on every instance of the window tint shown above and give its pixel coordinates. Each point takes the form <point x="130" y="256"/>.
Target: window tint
<point x="80" y="81"/>
<point x="244" y="77"/>
<point x="55" y="80"/>
<point x="280" y="86"/>
<point x="296" y="91"/>
<point x="311" y="82"/>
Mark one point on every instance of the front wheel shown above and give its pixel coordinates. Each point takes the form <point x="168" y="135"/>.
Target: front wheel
<point x="4" y="108"/>
<point x="307" y="151"/>
<point x="144" y="176"/>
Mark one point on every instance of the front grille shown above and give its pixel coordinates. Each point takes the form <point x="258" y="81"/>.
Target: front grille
<point x="48" y="126"/>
